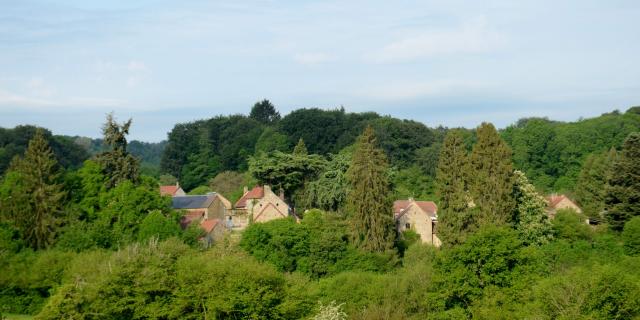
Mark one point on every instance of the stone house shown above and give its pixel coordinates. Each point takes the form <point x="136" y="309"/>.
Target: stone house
<point x="172" y="191"/>
<point x="556" y="202"/>
<point x="259" y="204"/>
<point x="209" y="211"/>
<point x="418" y="216"/>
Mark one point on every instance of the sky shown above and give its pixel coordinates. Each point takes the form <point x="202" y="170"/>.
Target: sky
<point x="65" y="64"/>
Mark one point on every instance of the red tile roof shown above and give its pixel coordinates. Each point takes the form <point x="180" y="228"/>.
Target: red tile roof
<point x="554" y="199"/>
<point x="256" y="193"/>
<point x="429" y="207"/>
<point x="209" y="225"/>
<point x="191" y="216"/>
<point x="168" y="190"/>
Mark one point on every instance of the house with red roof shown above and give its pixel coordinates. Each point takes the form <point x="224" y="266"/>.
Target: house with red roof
<point x="556" y="202"/>
<point x="172" y="191"/>
<point x="209" y="211"/>
<point x="418" y="216"/>
<point x="259" y="204"/>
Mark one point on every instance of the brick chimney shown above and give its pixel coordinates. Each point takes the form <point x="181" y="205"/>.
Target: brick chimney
<point x="267" y="189"/>
<point x="246" y="189"/>
<point x="281" y="194"/>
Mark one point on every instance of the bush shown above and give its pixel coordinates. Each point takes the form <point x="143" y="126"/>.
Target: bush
<point x="571" y="225"/>
<point x="631" y="236"/>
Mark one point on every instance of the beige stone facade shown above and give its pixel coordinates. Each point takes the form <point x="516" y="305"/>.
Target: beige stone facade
<point x="259" y="204"/>
<point x="557" y="202"/>
<point x="418" y="216"/>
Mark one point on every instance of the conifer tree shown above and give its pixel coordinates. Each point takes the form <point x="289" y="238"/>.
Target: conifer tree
<point x="622" y="200"/>
<point x="453" y="214"/>
<point x="300" y="148"/>
<point x="592" y="180"/>
<point x="368" y="198"/>
<point x="490" y="175"/>
<point x="118" y="164"/>
<point x="32" y="196"/>
<point x="530" y="219"/>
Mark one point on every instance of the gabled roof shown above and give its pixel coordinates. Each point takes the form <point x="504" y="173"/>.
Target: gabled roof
<point x="191" y="216"/>
<point x="256" y="193"/>
<point x="554" y="199"/>
<point x="265" y="208"/>
<point x="168" y="190"/>
<point x="428" y="207"/>
<point x="192" y="202"/>
<point x="209" y="225"/>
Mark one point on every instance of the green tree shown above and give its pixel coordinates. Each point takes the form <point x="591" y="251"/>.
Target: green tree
<point x="453" y="216"/>
<point x="530" y="218"/>
<point x="271" y="140"/>
<point x="490" y="176"/>
<point x="329" y="190"/>
<point x="623" y="193"/>
<point x="264" y="112"/>
<point x="167" y="180"/>
<point x="32" y="197"/>
<point x="157" y="225"/>
<point x="118" y="164"/>
<point x="631" y="236"/>
<point x="591" y="185"/>
<point x="285" y="171"/>
<point x="300" y="148"/>
<point x="368" y="198"/>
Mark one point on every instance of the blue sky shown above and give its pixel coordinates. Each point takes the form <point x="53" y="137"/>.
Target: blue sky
<point x="65" y="64"/>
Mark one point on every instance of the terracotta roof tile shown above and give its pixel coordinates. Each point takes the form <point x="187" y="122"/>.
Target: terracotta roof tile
<point x="168" y="190"/>
<point x="256" y="193"/>
<point x="429" y="207"/>
<point x="209" y="225"/>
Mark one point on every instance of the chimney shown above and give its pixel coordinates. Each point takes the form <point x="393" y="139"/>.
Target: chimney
<point x="177" y="184"/>
<point x="267" y="189"/>
<point x="281" y="194"/>
<point x="410" y="199"/>
<point x="245" y="190"/>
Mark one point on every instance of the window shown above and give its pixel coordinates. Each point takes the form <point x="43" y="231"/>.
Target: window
<point x="407" y="226"/>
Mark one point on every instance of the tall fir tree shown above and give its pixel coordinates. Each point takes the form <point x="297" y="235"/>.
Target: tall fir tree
<point x="591" y="185"/>
<point x="117" y="163"/>
<point x="530" y="218"/>
<point x="622" y="201"/>
<point x="368" y="198"/>
<point x="300" y="148"/>
<point x="453" y="216"/>
<point x="490" y="173"/>
<point x="31" y="196"/>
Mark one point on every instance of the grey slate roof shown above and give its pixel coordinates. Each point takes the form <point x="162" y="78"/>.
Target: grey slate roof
<point x="192" y="202"/>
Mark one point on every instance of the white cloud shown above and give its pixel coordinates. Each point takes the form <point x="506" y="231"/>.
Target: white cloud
<point x="136" y="66"/>
<point x="473" y="37"/>
<point x="12" y="100"/>
<point x="312" y="58"/>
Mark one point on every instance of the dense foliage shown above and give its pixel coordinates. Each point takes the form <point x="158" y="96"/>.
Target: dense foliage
<point x="116" y="251"/>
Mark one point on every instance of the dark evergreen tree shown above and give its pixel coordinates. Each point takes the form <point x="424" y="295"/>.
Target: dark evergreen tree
<point x="453" y="215"/>
<point x="264" y="112"/>
<point x="591" y="185"/>
<point x="32" y="197"/>
<point x="490" y="174"/>
<point x="117" y="163"/>
<point x="300" y="148"/>
<point x="368" y="198"/>
<point x="622" y="200"/>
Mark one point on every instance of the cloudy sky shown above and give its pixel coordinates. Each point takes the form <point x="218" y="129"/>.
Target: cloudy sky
<point x="65" y="64"/>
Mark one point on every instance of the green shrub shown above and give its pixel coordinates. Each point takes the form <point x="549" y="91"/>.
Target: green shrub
<point x="631" y="236"/>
